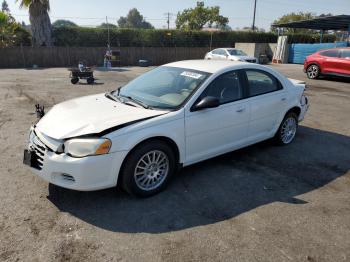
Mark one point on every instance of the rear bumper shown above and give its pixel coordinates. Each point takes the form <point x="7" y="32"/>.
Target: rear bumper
<point x="304" y="108"/>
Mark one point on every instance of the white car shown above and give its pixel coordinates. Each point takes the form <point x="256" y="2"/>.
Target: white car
<point x="172" y="116"/>
<point x="232" y="54"/>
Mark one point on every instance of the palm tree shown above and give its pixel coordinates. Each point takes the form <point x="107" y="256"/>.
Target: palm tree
<point x="39" y="20"/>
<point x="7" y="30"/>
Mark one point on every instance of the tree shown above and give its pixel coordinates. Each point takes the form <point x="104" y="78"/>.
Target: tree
<point x="256" y="29"/>
<point x="291" y="17"/>
<point x="106" y="26"/>
<point x="134" y="20"/>
<point x="39" y="20"/>
<point x="5" y="7"/>
<point x="200" y="16"/>
<point x="7" y="29"/>
<point x="325" y="15"/>
<point x="63" y="23"/>
<point x="11" y="33"/>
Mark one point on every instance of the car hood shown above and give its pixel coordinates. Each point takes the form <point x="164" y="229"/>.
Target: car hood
<point x="89" y="115"/>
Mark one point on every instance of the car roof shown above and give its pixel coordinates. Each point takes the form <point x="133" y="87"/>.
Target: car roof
<point x="228" y="48"/>
<point x="335" y="48"/>
<point x="210" y="66"/>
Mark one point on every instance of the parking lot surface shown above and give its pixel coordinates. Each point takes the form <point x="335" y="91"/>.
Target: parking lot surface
<point x="261" y="203"/>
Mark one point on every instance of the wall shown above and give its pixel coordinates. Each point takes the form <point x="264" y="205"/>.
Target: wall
<point x="257" y="49"/>
<point x="20" y="57"/>
<point x="298" y="52"/>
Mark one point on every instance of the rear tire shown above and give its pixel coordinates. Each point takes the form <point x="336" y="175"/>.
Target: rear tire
<point x="74" y="81"/>
<point x="287" y="130"/>
<point x="313" y="71"/>
<point x="148" y="169"/>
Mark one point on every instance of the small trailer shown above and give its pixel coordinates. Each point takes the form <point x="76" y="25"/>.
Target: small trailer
<point x="81" y="72"/>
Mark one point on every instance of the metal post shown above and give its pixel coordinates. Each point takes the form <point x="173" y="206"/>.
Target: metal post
<point x="23" y="58"/>
<point x="253" y="26"/>
<point x="211" y="39"/>
<point x="321" y="38"/>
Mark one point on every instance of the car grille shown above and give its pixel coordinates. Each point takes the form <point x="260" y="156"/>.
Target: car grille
<point x="39" y="149"/>
<point x="251" y="60"/>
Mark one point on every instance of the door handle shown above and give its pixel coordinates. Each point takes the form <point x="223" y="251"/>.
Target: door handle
<point x="283" y="99"/>
<point x="240" y="110"/>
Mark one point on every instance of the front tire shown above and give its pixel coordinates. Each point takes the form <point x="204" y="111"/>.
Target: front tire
<point x="313" y="71"/>
<point x="148" y="169"/>
<point x="287" y="130"/>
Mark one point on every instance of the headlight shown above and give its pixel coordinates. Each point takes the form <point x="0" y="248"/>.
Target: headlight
<point x="80" y="147"/>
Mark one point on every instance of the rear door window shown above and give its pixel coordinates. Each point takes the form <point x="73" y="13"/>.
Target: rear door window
<point x="223" y="52"/>
<point x="261" y="82"/>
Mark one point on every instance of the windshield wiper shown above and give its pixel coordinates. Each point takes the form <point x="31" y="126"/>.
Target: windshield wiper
<point x="117" y="97"/>
<point x="130" y="98"/>
<point x="112" y="97"/>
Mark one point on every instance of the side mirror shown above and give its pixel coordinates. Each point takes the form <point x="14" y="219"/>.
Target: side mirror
<point x="206" y="102"/>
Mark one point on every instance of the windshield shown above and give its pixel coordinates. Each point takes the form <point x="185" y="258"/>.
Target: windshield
<point x="163" y="87"/>
<point x="236" y="52"/>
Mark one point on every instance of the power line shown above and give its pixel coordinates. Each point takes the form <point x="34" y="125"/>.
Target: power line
<point x="150" y="19"/>
<point x="88" y="18"/>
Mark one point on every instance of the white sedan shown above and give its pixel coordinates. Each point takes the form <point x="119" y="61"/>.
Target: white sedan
<point x="172" y="116"/>
<point x="232" y="54"/>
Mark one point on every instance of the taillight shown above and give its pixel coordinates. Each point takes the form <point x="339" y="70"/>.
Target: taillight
<point x="303" y="100"/>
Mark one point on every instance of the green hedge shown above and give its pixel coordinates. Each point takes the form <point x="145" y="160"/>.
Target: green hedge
<point x="79" y="36"/>
<point x="310" y="38"/>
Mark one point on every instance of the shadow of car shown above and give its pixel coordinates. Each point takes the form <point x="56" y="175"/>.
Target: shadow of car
<point x="218" y="189"/>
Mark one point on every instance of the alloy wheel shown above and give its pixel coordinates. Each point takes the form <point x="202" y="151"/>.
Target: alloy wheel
<point x="151" y="170"/>
<point x="288" y="130"/>
<point x="312" y="71"/>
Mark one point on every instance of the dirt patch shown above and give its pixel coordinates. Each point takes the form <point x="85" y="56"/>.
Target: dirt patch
<point x="262" y="203"/>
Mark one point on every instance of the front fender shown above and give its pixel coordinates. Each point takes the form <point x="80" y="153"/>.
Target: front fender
<point x="173" y="130"/>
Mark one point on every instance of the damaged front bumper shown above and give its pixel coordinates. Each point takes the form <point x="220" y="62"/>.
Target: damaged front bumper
<point x="83" y="174"/>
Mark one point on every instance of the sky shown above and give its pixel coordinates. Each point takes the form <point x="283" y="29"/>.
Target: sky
<point x="239" y="12"/>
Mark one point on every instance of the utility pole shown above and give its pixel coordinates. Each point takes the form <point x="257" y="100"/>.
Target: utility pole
<point x="253" y="26"/>
<point x="109" y="43"/>
<point x="168" y="17"/>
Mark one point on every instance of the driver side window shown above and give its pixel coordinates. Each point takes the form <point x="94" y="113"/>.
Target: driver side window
<point x="226" y="87"/>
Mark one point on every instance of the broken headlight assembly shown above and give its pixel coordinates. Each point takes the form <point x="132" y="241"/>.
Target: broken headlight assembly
<point x="81" y="147"/>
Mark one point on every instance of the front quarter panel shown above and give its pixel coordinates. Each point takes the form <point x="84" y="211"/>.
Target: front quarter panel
<point x="170" y="125"/>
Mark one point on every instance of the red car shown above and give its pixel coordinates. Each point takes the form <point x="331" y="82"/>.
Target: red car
<point x="334" y="62"/>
